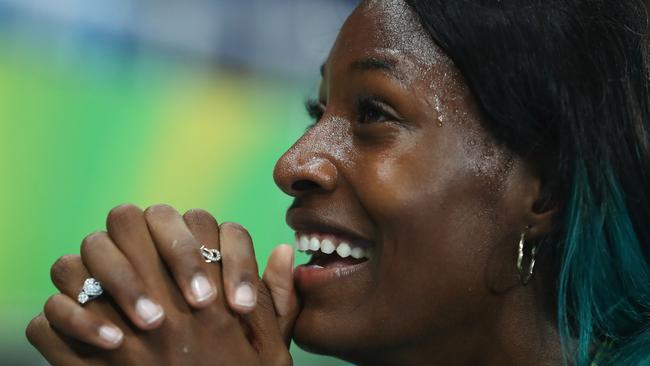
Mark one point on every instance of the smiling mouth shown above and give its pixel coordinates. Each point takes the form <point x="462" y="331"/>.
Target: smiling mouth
<point x="329" y="250"/>
<point x="332" y="257"/>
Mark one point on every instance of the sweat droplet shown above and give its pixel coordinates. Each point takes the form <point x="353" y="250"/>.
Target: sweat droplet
<point x="437" y="104"/>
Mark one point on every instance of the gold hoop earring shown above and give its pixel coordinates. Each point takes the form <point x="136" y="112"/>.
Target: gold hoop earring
<point x="525" y="276"/>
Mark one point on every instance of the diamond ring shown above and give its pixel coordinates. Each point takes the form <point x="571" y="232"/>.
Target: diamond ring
<point x="91" y="290"/>
<point x="210" y="255"/>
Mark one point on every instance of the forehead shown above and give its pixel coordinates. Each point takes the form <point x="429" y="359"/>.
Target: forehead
<point x="388" y="27"/>
<point x="388" y="35"/>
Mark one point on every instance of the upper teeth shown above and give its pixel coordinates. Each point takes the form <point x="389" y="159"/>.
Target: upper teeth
<point x="330" y="245"/>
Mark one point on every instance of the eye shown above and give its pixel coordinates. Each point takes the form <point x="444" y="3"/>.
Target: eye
<point x="315" y="110"/>
<point x="372" y="110"/>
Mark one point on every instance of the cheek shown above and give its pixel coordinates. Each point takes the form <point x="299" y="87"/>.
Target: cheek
<point x="421" y="181"/>
<point x="436" y="214"/>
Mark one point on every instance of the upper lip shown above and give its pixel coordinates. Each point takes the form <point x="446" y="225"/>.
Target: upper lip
<point x="304" y="220"/>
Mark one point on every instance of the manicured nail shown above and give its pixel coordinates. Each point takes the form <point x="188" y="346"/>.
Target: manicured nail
<point x="245" y="295"/>
<point x="148" y="311"/>
<point x="202" y="288"/>
<point x="110" y="334"/>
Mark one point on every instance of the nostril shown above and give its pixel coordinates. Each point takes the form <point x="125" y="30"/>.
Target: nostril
<point x="304" y="185"/>
<point x="306" y="174"/>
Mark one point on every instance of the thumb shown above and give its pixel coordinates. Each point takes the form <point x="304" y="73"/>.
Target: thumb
<point x="278" y="277"/>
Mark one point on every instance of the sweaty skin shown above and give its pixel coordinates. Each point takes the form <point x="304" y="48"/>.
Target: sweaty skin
<point x="443" y="204"/>
<point x="399" y="157"/>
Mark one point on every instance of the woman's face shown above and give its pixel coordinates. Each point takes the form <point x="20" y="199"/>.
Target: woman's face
<point x="398" y="164"/>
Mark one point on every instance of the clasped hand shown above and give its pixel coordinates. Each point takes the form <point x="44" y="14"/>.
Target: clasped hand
<point x="163" y="304"/>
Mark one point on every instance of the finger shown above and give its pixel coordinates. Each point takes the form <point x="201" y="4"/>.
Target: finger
<point x="240" y="275"/>
<point x="68" y="274"/>
<point x="278" y="277"/>
<point x="263" y="331"/>
<point x="112" y="269"/>
<point x="205" y="229"/>
<point x="127" y="227"/>
<point x="180" y="251"/>
<point x="50" y="344"/>
<point x="70" y="318"/>
<point x="271" y="323"/>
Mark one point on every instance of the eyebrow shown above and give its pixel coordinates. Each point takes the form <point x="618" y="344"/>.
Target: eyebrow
<point x="376" y="63"/>
<point x="371" y="64"/>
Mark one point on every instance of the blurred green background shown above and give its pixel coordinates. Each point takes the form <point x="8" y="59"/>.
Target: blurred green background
<point x="94" y="114"/>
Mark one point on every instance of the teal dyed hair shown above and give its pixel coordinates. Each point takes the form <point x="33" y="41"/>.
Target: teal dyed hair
<point x="565" y="84"/>
<point x="604" y="281"/>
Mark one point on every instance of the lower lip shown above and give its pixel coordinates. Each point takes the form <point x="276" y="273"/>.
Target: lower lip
<point x="311" y="277"/>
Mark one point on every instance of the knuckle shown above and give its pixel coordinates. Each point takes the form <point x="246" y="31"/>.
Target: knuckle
<point x="35" y="328"/>
<point x="91" y="241"/>
<point x="158" y="209"/>
<point x="59" y="312"/>
<point x="51" y="304"/>
<point x="157" y="215"/>
<point x="124" y="285"/>
<point x="220" y="320"/>
<point x="198" y="212"/>
<point x="226" y="324"/>
<point x="80" y="324"/>
<point x="236" y="230"/>
<point x="185" y="244"/>
<point x="198" y="216"/>
<point x="276" y="285"/>
<point x="61" y="269"/>
<point x="122" y="214"/>
<point x="186" y="251"/>
<point x="280" y="293"/>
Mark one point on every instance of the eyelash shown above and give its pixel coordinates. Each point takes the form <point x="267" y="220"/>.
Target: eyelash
<point x="373" y="111"/>
<point x="369" y="110"/>
<point x="315" y="110"/>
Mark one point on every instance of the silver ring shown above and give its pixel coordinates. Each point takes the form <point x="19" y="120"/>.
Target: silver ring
<point x="210" y="255"/>
<point x="92" y="289"/>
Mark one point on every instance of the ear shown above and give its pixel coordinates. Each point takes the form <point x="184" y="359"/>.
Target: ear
<point x="543" y="210"/>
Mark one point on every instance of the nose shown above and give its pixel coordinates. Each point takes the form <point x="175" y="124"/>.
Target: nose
<point x="298" y="173"/>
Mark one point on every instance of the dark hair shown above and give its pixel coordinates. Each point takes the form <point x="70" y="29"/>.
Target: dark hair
<point x="566" y="85"/>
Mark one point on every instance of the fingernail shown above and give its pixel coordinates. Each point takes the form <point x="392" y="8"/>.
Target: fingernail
<point x="148" y="311"/>
<point x="202" y="288"/>
<point x="245" y="295"/>
<point x="110" y="334"/>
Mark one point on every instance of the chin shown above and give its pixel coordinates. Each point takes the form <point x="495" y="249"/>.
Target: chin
<point x="331" y="334"/>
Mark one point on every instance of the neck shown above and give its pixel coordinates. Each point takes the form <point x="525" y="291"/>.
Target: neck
<point x="517" y="329"/>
